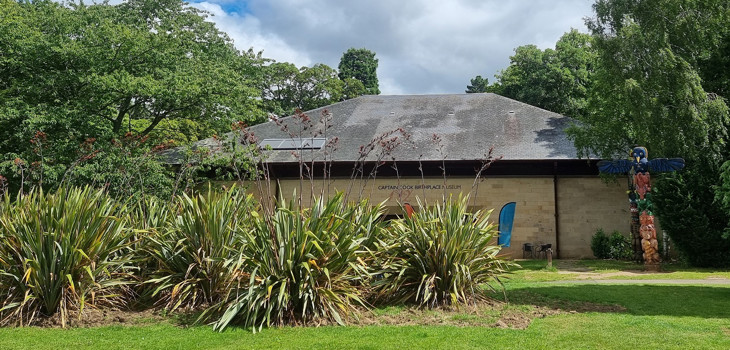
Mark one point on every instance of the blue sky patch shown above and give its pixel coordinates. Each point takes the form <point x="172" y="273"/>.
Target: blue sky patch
<point x="230" y="6"/>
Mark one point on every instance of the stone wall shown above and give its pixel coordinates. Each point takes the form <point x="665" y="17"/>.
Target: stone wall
<point x="585" y="204"/>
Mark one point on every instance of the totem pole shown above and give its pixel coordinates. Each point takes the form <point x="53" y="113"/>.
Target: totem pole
<point x="642" y="216"/>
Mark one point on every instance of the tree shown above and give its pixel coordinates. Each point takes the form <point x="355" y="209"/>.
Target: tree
<point x="286" y="88"/>
<point x="279" y="79"/>
<point x="76" y="72"/>
<point x="317" y="86"/>
<point x="352" y="88"/>
<point x="478" y="84"/>
<point x="557" y="80"/>
<point x="362" y="65"/>
<point x="647" y="87"/>
<point x="648" y="90"/>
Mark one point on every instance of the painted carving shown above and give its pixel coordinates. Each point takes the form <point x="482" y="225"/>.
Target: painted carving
<point x="642" y="216"/>
<point x="642" y="182"/>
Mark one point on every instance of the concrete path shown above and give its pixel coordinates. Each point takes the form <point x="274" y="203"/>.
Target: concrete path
<point x="710" y="281"/>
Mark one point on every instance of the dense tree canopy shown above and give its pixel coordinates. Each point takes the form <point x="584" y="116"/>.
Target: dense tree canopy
<point x="648" y="86"/>
<point x="554" y="79"/>
<point x="286" y="87"/>
<point x="75" y="74"/>
<point x="360" y="64"/>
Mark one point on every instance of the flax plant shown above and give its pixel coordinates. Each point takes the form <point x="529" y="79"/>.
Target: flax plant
<point x="60" y="252"/>
<point x="303" y="265"/>
<point x="190" y="253"/>
<point x="148" y="216"/>
<point x="442" y="255"/>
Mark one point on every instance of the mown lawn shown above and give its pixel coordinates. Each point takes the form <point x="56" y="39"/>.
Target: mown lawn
<point x="537" y="271"/>
<point x="637" y="316"/>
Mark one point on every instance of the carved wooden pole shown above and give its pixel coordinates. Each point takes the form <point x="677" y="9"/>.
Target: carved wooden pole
<point x="635" y="224"/>
<point x="649" y="243"/>
<point x="642" y="216"/>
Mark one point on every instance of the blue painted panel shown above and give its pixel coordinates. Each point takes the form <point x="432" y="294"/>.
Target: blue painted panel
<point x="506" y="219"/>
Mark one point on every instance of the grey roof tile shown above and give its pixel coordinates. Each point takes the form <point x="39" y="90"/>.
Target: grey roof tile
<point x="468" y="124"/>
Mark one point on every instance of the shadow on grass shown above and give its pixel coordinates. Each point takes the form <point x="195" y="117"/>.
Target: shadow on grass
<point x="645" y="300"/>
<point x="596" y="264"/>
<point x="532" y="265"/>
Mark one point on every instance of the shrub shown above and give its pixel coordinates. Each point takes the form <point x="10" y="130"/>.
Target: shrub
<point x="190" y="247"/>
<point x="619" y="247"/>
<point x="691" y="217"/>
<point x="599" y="244"/>
<point x="302" y="265"/>
<point x="616" y="246"/>
<point x="60" y="252"/>
<point x="441" y="255"/>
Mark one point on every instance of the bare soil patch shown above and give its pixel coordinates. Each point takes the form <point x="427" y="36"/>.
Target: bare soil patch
<point x="101" y="317"/>
<point x="489" y="313"/>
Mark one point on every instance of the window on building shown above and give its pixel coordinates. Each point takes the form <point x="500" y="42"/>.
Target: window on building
<point x="293" y="144"/>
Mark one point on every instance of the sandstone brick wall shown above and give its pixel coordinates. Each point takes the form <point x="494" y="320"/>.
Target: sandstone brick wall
<point x="584" y="204"/>
<point x="534" y="214"/>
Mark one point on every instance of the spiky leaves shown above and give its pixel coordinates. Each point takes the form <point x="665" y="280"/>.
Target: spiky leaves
<point x="302" y="265"/>
<point x="60" y="252"/>
<point x="190" y="252"/>
<point x="442" y="255"/>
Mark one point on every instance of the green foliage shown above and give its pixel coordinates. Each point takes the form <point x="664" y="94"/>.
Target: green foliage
<point x="723" y="193"/>
<point x="443" y="255"/>
<point x="190" y="246"/>
<point x="648" y="86"/>
<point x="554" y="79"/>
<point x="127" y="168"/>
<point x="74" y="72"/>
<point x="650" y="89"/>
<point x="241" y="262"/>
<point x="286" y="88"/>
<point x="61" y="251"/>
<point x="616" y="246"/>
<point x="302" y="265"/>
<point x="690" y="216"/>
<point x="619" y="246"/>
<point x="698" y="32"/>
<point x="360" y="64"/>
<point x="599" y="244"/>
<point x="477" y="85"/>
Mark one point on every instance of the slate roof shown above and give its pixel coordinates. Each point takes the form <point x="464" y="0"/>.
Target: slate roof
<point x="468" y="124"/>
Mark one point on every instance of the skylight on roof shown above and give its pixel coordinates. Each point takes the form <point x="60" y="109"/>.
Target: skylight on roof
<point x="293" y="144"/>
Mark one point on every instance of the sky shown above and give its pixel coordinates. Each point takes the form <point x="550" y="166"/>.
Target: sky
<point x="423" y="46"/>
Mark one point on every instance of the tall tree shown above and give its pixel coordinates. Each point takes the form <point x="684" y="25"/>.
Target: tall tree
<point x="77" y="72"/>
<point x="648" y="90"/>
<point x="286" y="87"/>
<point x="554" y="79"/>
<point x="362" y="65"/>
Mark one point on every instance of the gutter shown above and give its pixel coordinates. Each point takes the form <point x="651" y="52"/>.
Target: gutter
<point x="557" y="215"/>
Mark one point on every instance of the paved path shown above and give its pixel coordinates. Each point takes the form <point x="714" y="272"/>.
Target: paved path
<point x="711" y="281"/>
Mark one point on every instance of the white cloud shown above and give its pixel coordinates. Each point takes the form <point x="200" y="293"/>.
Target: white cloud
<point x="247" y="32"/>
<point x="423" y="46"/>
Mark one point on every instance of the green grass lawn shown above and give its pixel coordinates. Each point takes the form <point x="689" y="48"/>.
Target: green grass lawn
<point x="635" y="316"/>
<point x="537" y="271"/>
